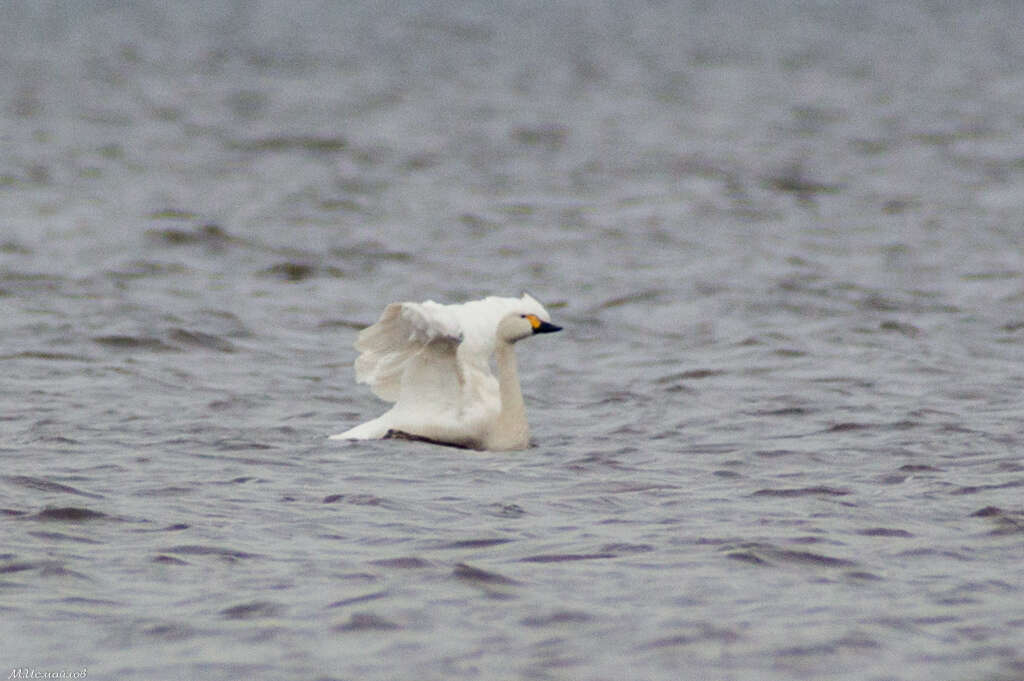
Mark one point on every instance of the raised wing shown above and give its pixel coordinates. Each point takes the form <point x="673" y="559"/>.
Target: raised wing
<point x="478" y="321"/>
<point x="399" y="340"/>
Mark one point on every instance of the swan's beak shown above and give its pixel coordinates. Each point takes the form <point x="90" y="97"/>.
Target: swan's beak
<point x="541" y="326"/>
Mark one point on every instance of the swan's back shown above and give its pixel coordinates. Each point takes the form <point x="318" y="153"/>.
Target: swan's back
<point x="458" y="336"/>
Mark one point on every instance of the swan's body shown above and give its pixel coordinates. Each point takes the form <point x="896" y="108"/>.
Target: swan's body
<point x="433" y="362"/>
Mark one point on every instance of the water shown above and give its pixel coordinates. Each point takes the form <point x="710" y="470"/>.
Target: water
<point x="779" y="437"/>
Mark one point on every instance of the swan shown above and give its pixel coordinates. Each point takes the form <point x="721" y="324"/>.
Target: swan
<point x="433" y="362"/>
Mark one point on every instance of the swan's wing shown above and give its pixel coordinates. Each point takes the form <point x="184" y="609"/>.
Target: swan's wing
<point x="439" y="400"/>
<point x="403" y="332"/>
<point x="412" y="356"/>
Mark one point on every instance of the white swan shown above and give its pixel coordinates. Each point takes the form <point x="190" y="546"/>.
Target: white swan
<point x="433" y="362"/>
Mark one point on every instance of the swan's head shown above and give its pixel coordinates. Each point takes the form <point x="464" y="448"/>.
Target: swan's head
<point x="517" y="326"/>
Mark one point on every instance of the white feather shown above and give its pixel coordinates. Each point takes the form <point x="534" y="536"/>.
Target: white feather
<point x="433" y="362"/>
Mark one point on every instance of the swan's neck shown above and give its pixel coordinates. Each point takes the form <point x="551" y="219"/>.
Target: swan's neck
<point x="511" y="430"/>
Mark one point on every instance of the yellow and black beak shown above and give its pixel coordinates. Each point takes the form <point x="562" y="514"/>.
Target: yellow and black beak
<point x="541" y="326"/>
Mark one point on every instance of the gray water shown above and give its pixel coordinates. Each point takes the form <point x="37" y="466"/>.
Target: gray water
<point x="779" y="438"/>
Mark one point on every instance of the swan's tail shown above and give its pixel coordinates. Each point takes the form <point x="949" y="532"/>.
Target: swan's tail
<point x="371" y="430"/>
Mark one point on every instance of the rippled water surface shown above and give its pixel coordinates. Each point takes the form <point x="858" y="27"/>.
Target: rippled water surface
<point x="779" y="438"/>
